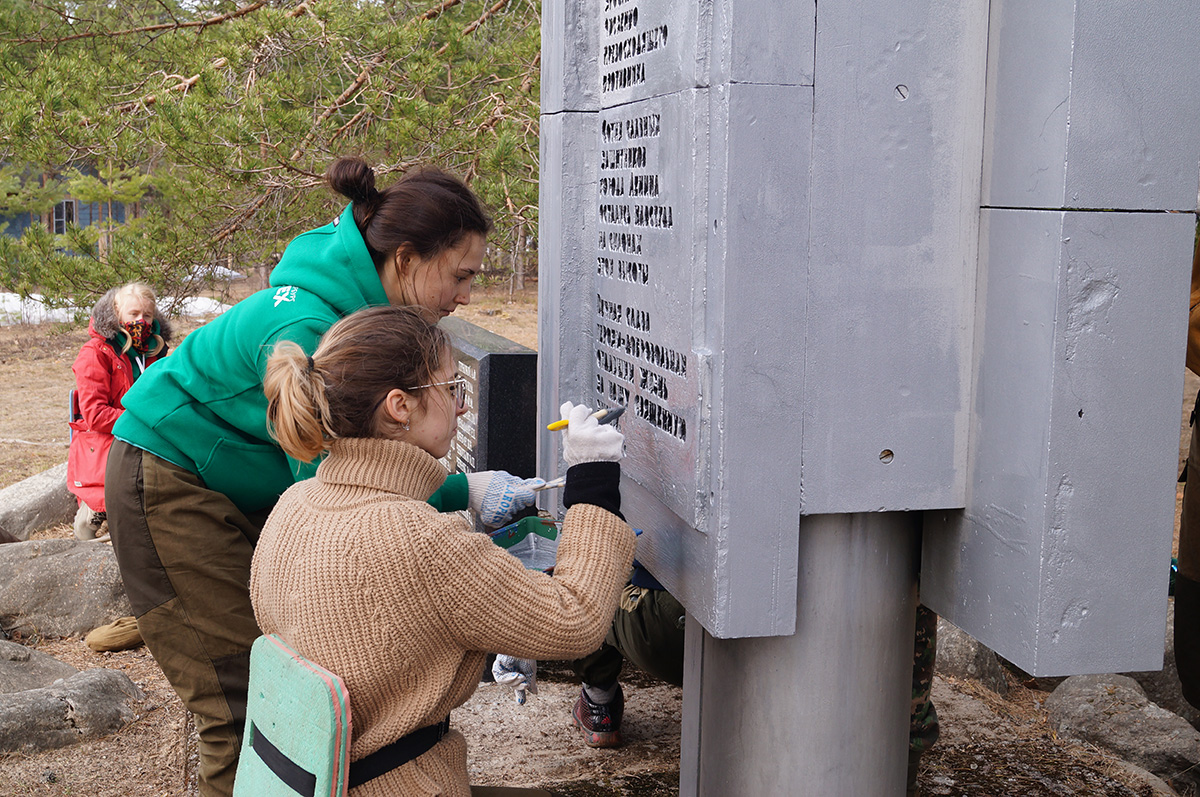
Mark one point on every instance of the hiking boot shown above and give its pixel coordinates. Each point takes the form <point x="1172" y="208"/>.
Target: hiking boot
<point x="600" y="723"/>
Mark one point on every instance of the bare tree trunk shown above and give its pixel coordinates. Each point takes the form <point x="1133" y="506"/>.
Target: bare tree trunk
<point x="519" y="258"/>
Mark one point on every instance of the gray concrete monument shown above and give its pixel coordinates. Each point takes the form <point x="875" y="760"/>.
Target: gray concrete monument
<point x="863" y="271"/>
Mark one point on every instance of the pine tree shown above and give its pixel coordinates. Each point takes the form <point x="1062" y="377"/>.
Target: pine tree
<point x="215" y="121"/>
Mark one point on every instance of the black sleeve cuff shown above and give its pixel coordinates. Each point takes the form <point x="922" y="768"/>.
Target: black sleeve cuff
<point x="596" y="483"/>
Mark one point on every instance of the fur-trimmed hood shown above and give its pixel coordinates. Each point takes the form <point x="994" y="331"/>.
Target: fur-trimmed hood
<point x="104" y="318"/>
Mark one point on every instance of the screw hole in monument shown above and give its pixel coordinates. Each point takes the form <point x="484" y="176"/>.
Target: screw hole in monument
<point x="1081" y="413"/>
<point x="902" y="92"/>
<point x="886" y="456"/>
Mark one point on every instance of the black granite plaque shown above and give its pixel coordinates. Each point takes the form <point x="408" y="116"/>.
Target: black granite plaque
<point x="499" y="429"/>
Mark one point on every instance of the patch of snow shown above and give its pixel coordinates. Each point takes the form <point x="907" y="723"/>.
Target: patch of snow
<point x="15" y="310"/>
<point x="194" y="306"/>
<point x="215" y="273"/>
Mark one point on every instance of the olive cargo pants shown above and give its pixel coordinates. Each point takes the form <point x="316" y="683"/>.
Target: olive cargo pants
<point x="184" y="552"/>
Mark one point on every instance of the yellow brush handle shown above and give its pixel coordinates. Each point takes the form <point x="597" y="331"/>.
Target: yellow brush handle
<point x="598" y="415"/>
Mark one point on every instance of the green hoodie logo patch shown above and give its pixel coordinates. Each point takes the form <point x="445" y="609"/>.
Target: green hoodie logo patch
<point x="285" y="294"/>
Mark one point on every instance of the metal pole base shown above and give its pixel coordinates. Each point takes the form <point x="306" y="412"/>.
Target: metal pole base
<point x="823" y="712"/>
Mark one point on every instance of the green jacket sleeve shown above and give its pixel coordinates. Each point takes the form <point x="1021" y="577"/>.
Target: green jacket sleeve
<point x="452" y="495"/>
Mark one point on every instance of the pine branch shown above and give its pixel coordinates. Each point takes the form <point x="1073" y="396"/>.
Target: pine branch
<point x="486" y="16"/>
<point x="438" y="10"/>
<point x="469" y="29"/>
<point x="341" y="101"/>
<point x="112" y="34"/>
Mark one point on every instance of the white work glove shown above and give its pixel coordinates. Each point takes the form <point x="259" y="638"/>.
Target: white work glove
<point x="520" y="674"/>
<point x="496" y="496"/>
<point x="586" y="439"/>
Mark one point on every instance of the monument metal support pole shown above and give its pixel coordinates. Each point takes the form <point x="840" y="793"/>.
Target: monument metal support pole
<point x="824" y="711"/>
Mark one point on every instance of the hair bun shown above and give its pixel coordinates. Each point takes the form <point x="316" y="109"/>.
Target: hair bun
<point x="353" y="178"/>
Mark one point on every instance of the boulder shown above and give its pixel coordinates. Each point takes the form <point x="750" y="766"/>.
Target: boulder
<point x="1162" y="686"/>
<point x="37" y="503"/>
<point x="88" y="705"/>
<point x="24" y="668"/>
<point x="60" y="587"/>
<point x="961" y="656"/>
<point x="1113" y="713"/>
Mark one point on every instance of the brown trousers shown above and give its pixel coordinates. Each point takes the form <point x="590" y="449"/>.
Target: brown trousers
<point x="184" y="553"/>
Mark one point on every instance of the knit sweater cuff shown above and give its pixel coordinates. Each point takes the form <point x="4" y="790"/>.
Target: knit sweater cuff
<point x="597" y="483"/>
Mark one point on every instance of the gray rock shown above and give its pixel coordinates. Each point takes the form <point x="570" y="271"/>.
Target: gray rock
<point x="961" y="656"/>
<point x="87" y="705"/>
<point x="6" y="537"/>
<point x="1162" y="686"/>
<point x="1113" y="713"/>
<point x="23" y="668"/>
<point x="1149" y="784"/>
<point x="60" y="587"/>
<point x="36" y="503"/>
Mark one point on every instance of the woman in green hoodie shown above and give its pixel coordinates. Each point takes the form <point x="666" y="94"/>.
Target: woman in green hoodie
<point x="194" y="471"/>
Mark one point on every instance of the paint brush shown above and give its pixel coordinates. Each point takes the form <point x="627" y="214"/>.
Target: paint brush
<point x="603" y="416"/>
<point x="550" y="485"/>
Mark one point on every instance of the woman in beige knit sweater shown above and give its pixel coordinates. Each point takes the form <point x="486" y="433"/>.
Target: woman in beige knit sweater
<point x="360" y="575"/>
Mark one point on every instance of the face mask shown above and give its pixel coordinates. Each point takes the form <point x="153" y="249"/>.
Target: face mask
<point x="139" y="334"/>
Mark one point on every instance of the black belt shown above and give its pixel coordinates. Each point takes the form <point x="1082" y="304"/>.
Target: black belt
<point x="382" y="761"/>
<point x="398" y="753"/>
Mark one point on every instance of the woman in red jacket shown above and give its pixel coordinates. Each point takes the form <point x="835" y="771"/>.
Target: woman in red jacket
<point x="126" y="335"/>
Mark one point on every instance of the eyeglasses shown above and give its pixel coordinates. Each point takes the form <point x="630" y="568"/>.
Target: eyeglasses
<point x="458" y="390"/>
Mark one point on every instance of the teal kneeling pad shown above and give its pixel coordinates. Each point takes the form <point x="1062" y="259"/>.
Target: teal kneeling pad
<point x="297" y="737"/>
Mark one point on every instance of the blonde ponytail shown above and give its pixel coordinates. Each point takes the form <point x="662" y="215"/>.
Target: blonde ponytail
<point x="297" y="407"/>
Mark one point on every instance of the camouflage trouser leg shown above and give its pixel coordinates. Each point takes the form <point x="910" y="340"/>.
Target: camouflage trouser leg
<point x="923" y="721"/>
<point x="647" y="629"/>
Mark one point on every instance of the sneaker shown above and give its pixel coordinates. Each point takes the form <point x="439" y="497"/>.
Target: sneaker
<point x="84" y="528"/>
<point x="600" y="723"/>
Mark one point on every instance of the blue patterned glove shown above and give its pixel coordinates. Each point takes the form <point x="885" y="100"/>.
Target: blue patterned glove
<point x="496" y="496"/>
<point x="520" y="674"/>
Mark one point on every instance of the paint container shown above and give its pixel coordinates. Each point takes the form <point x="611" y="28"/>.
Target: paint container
<point x="533" y="540"/>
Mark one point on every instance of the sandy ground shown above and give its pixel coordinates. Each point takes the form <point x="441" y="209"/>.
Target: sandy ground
<point x="989" y="745"/>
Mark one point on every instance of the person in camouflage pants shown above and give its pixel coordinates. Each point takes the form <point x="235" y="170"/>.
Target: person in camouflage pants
<point x="923" y="727"/>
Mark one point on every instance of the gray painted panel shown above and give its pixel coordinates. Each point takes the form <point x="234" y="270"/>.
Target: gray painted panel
<point x="895" y="187"/>
<point x="1093" y="105"/>
<point x="620" y="51"/>
<point x="663" y="330"/>
<point x="1028" y="103"/>
<point x="754" y="317"/>
<point x="570" y="57"/>
<point x="566" y="258"/>
<point x="651" y="47"/>
<point x="1059" y="561"/>
<point x="648" y="276"/>
<point x="764" y="42"/>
